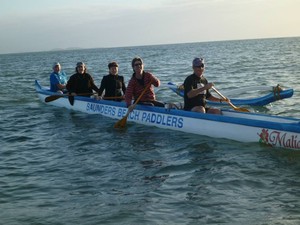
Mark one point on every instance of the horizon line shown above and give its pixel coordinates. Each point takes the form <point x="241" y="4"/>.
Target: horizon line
<point x="129" y="46"/>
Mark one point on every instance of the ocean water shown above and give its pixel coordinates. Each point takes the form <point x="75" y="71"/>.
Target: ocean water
<point x="65" y="167"/>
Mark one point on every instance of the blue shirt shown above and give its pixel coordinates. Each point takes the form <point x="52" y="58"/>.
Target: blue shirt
<point x="57" y="78"/>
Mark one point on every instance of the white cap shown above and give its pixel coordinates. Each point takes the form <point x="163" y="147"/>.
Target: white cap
<point x="56" y="64"/>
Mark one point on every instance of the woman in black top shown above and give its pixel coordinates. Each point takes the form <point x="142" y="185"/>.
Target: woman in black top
<point x="81" y="83"/>
<point x="113" y="84"/>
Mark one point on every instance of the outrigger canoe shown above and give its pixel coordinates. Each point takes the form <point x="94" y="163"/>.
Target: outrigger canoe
<point x="275" y="94"/>
<point x="275" y="131"/>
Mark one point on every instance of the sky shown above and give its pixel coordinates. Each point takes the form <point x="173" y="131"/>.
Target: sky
<point x="44" y="25"/>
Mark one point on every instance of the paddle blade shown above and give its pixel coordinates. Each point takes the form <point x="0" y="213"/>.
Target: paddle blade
<point x="241" y="109"/>
<point x="71" y="99"/>
<point x="52" y="98"/>
<point x="121" y="123"/>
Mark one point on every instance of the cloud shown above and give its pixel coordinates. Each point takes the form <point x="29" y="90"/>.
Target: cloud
<point x="141" y="22"/>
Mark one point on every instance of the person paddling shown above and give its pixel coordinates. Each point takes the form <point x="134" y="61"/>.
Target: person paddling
<point x="113" y="84"/>
<point x="140" y="81"/>
<point x="196" y="90"/>
<point x="81" y="83"/>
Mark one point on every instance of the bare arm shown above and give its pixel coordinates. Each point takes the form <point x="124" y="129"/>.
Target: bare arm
<point x="194" y="92"/>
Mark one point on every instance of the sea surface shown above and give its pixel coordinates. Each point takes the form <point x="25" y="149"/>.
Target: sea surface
<point x="60" y="167"/>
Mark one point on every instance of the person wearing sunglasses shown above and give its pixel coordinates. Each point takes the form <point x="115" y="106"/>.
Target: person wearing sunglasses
<point x="81" y="83"/>
<point x="140" y="81"/>
<point x="196" y="90"/>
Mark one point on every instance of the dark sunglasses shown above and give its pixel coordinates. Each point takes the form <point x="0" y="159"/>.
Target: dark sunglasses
<point x="201" y="66"/>
<point x="138" y="64"/>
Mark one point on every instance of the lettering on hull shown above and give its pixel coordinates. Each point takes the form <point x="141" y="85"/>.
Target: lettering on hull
<point x="279" y="139"/>
<point x="101" y="109"/>
<point x="144" y="117"/>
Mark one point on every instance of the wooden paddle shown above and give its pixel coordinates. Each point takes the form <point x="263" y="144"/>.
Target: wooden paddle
<point x="71" y="99"/>
<point x="122" y="122"/>
<point x="232" y="105"/>
<point x="54" y="97"/>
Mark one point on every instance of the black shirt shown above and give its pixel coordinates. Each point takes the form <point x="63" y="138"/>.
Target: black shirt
<point x="81" y="84"/>
<point x="113" y="85"/>
<point x="193" y="82"/>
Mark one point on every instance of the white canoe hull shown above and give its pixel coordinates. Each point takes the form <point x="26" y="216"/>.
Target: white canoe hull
<point x="243" y="127"/>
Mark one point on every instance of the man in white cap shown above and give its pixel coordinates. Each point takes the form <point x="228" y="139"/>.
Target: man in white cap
<point x="58" y="79"/>
<point x="196" y="90"/>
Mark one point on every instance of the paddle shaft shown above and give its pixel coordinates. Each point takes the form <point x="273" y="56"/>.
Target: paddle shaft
<point x="122" y="122"/>
<point x="138" y="99"/>
<point x="54" y="97"/>
<point x="222" y="96"/>
<point x="229" y="103"/>
<point x="115" y="97"/>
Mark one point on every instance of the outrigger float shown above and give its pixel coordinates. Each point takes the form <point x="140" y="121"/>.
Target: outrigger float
<point x="273" y="94"/>
<point x="274" y="131"/>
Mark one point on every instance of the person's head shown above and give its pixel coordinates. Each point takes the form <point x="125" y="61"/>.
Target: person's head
<point x="56" y="67"/>
<point x="137" y="65"/>
<point x="198" y="66"/>
<point x="113" y="68"/>
<point x="80" y="67"/>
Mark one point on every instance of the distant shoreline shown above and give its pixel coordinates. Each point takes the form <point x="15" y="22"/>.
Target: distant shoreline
<point x="81" y="48"/>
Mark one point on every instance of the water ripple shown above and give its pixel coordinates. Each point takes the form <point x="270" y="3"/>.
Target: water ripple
<point x="64" y="167"/>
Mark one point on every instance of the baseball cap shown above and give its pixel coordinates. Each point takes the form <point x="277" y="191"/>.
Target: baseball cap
<point x="56" y="64"/>
<point x="198" y="62"/>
